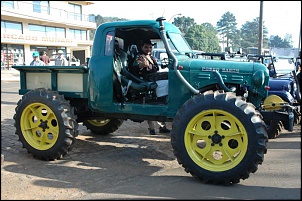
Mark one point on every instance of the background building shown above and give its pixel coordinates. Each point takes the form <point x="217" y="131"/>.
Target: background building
<point x="29" y="26"/>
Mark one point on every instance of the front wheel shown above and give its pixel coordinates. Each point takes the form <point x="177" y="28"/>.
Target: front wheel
<point x="46" y="124"/>
<point x="219" y="138"/>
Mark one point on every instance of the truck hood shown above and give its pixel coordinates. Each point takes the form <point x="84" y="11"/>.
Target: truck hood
<point x="220" y="65"/>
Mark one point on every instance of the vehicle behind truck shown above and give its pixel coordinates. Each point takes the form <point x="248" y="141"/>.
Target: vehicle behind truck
<point x="217" y="108"/>
<point x="284" y="86"/>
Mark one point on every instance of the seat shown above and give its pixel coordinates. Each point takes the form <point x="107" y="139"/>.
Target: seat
<point x="124" y="80"/>
<point x="147" y="86"/>
<point x="123" y="56"/>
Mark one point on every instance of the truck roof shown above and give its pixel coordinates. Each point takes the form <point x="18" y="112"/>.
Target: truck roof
<point x="130" y="31"/>
<point x="139" y="23"/>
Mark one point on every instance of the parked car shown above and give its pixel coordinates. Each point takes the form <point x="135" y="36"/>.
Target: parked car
<point x="284" y="65"/>
<point x="160" y="55"/>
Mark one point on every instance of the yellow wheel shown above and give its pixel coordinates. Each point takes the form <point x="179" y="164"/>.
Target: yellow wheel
<point x="39" y="126"/>
<point x="45" y="124"/>
<point x="216" y="140"/>
<point x="218" y="137"/>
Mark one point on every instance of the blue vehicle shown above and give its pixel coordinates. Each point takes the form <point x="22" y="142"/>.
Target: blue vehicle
<point x="284" y="84"/>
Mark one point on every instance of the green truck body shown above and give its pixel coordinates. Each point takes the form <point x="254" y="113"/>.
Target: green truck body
<point x="216" y="107"/>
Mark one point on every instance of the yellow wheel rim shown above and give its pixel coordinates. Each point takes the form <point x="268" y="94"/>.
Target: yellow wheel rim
<point x="273" y="102"/>
<point x="216" y="140"/>
<point x="99" y="122"/>
<point x="39" y="126"/>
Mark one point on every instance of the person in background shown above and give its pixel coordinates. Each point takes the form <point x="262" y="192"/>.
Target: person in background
<point x="271" y="70"/>
<point x="143" y="65"/>
<point x="45" y="58"/>
<point x="36" y="60"/>
<point x="61" y="60"/>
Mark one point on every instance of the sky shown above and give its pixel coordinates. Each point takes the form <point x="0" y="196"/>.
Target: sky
<point x="280" y="17"/>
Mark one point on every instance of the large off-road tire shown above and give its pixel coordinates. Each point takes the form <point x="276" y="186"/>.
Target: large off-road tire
<point x="273" y="128"/>
<point x="219" y="138"/>
<point x="46" y="124"/>
<point x="103" y="126"/>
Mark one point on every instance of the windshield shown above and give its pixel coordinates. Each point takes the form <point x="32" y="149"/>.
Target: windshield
<point x="284" y="65"/>
<point x="179" y="43"/>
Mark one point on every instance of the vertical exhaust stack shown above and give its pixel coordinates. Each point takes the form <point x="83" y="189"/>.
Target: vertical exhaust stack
<point x="171" y="55"/>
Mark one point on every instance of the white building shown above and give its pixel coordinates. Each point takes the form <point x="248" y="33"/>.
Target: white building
<point x="29" y="26"/>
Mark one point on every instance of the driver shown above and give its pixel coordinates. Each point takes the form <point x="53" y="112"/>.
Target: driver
<point x="271" y="70"/>
<point x="144" y="65"/>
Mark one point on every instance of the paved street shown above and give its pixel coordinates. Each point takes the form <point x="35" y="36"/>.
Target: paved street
<point x="131" y="164"/>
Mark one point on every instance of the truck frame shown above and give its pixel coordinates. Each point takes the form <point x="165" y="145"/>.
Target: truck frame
<point x="216" y="107"/>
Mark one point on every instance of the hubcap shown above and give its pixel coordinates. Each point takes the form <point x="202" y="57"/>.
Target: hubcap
<point x="216" y="140"/>
<point x="39" y="126"/>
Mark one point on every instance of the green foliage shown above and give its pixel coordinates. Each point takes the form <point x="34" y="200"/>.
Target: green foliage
<point x="227" y="27"/>
<point x="184" y="23"/>
<point x="277" y="41"/>
<point x="250" y="34"/>
<point x="203" y="37"/>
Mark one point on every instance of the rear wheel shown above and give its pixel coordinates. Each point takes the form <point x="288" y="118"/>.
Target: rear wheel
<point x="45" y="124"/>
<point x="219" y="138"/>
<point x="102" y="126"/>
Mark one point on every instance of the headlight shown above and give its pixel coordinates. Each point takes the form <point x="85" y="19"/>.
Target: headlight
<point x="258" y="78"/>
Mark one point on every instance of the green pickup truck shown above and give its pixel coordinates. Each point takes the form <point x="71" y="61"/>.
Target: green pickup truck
<point x="217" y="108"/>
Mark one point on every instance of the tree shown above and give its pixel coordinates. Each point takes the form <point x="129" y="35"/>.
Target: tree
<point x="184" y="23"/>
<point x="227" y="27"/>
<point x="236" y="43"/>
<point x="288" y="39"/>
<point x="250" y="34"/>
<point x="203" y="37"/>
<point x="277" y="41"/>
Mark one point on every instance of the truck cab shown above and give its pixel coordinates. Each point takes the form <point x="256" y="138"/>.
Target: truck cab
<point x="196" y="75"/>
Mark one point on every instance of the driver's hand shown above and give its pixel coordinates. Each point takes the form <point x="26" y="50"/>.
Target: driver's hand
<point x="143" y="62"/>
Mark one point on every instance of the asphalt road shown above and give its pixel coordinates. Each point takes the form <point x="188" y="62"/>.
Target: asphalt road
<point x="131" y="164"/>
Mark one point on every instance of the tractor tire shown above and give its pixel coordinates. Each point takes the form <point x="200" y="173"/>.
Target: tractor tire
<point x="219" y="138"/>
<point x="45" y="124"/>
<point x="103" y="126"/>
<point x="273" y="128"/>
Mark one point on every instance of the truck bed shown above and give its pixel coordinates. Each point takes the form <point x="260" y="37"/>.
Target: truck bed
<point x="71" y="81"/>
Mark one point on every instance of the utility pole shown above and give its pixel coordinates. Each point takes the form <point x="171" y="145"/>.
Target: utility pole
<point x="260" y="39"/>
